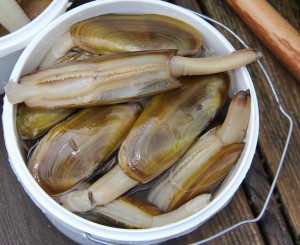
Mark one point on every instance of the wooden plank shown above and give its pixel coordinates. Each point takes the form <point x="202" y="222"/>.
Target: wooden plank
<point x="272" y="224"/>
<point x="273" y="126"/>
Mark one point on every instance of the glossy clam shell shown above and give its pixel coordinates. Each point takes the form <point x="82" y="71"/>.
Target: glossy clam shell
<point x="169" y="125"/>
<point x="33" y="123"/>
<point x="71" y="151"/>
<point x="113" y="33"/>
<point x="207" y="177"/>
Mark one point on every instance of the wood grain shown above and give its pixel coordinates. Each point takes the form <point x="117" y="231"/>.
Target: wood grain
<point x="273" y="30"/>
<point x="272" y="224"/>
<point x="273" y="126"/>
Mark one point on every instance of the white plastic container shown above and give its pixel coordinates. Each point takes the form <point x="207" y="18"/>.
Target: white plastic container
<point x="84" y="231"/>
<point x="13" y="44"/>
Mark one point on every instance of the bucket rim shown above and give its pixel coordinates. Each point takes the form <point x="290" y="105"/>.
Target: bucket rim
<point x="20" y="38"/>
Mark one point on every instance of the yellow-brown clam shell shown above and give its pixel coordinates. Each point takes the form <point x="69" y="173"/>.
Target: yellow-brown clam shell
<point x="118" y="33"/>
<point x="169" y="125"/>
<point x="72" y="150"/>
<point x="33" y="123"/>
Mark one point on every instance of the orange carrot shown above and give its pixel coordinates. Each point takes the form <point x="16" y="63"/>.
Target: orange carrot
<point x="273" y="30"/>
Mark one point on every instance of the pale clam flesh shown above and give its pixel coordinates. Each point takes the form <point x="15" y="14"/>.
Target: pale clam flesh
<point x="117" y="78"/>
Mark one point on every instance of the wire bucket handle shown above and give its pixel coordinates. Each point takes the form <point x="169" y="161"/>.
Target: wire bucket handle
<point x="288" y="138"/>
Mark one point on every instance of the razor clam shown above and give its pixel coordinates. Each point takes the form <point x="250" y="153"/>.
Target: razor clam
<point x="119" y="33"/>
<point x="33" y="123"/>
<point x="118" y="78"/>
<point x="134" y="213"/>
<point x="160" y="136"/>
<point x="72" y="150"/>
<point x="207" y="162"/>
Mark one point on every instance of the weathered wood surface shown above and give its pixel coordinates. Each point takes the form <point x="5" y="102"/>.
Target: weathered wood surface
<point x="21" y="222"/>
<point x="273" y="126"/>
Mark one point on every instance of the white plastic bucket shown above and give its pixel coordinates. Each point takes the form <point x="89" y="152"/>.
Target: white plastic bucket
<point x="84" y="231"/>
<point x="13" y="44"/>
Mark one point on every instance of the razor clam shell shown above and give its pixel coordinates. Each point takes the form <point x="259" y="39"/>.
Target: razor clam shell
<point x="206" y="177"/>
<point x="33" y="123"/>
<point x="117" y="33"/>
<point x="72" y="150"/>
<point x="169" y="124"/>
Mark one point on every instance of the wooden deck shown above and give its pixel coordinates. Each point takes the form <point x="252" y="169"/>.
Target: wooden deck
<point x="21" y="222"/>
